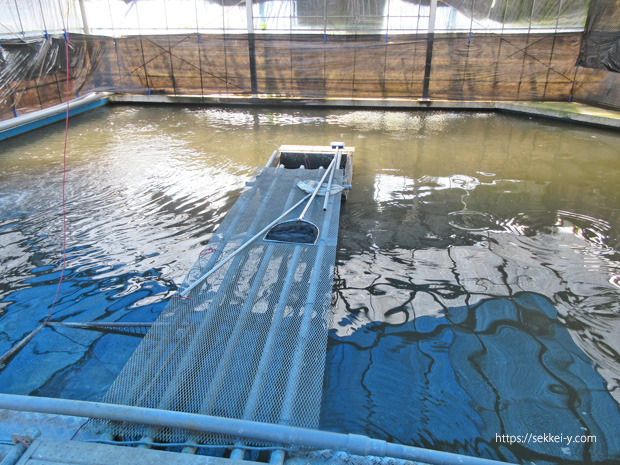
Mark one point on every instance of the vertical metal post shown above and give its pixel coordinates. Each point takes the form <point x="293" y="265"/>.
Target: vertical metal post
<point x="415" y="52"/>
<point x="290" y="31"/>
<point x="202" y="88"/>
<point x="62" y="18"/>
<point x="431" y="16"/>
<point x="429" y="49"/>
<point x="385" y="54"/>
<point x="21" y="25"/>
<point x="466" y="79"/>
<point x="66" y="34"/>
<point x="357" y="16"/>
<point x="225" y="49"/>
<point x="499" y="47"/>
<point x="174" y="83"/>
<point x="47" y="37"/>
<point x="146" y="72"/>
<point x="325" y="77"/>
<point x="525" y="53"/>
<point x="250" y="15"/>
<point x="555" y="34"/>
<point x="387" y="22"/>
<point x="118" y="60"/>
<point x="251" y="47"/>
<point x="471" y="21"/>
<point x="86" y="31"/>
<point x="84" y="18"/>
<point x="325" y="22"/>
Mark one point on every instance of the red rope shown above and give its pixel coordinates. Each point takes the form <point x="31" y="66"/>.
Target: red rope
<point x="78" y="430"/>
<point x="207" y="251"/>
<point x="26" y="339"/>
<point x="64" y="177"/>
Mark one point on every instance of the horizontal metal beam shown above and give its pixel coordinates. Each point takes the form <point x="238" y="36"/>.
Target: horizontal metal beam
<point x="99" y="324"/>
<point x="353" y="444"/>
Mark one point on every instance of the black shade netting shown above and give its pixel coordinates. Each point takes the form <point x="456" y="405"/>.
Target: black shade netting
<point x="600" y="47"/>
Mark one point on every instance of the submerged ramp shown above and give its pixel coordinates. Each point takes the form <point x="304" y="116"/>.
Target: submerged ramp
<point x="248" y="342"/>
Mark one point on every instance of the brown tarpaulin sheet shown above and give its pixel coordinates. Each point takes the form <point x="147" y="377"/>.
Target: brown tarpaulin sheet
<point x="528" y="67"/>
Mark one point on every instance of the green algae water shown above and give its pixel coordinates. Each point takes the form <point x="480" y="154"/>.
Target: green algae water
<point x="476" y="301"/>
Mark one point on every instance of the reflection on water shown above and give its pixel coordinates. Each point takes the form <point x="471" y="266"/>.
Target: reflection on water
<point x="477" y="289"/>
<point x="459" y="381"/>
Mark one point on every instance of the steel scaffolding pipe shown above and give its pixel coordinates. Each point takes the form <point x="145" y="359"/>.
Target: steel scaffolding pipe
<point x="353" y="444"/>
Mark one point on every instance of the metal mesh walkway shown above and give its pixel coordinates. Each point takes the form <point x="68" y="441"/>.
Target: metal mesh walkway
<point x="250" y="341"/>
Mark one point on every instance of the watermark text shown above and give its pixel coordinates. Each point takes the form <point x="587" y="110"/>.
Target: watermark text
<point x="545" y="438"/>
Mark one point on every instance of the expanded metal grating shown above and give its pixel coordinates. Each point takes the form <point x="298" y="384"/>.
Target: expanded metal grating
<point x="250" y="341"/>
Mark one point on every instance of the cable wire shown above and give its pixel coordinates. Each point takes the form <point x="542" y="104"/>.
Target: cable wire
<point x="64" y="174"/>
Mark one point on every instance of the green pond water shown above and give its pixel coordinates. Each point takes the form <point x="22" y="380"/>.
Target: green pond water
<point x="477" y="278"/>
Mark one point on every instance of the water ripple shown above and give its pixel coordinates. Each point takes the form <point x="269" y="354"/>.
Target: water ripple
<point x="477" y="277"/>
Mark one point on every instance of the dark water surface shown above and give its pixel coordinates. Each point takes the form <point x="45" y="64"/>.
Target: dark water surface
<point x="478" y="278"/>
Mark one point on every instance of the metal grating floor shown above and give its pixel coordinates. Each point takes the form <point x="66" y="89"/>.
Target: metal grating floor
<point x="250" y="341"/>
<point x="53" y="452"/>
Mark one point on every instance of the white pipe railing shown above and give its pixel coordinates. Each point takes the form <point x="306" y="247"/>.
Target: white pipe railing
<point x="353" y="444"/>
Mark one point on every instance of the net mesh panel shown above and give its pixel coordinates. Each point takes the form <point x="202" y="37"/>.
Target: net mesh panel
<point x="481" y="49"/>
<point x="249" y="342"/>
<point x="600" y="44"/>
<point x="498" y="66"/>
<point x="597" y="79"/>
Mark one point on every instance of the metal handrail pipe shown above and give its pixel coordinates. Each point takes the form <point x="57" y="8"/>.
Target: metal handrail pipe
<point x="353" y="444"/>
<point x="331" y="178"/>
<point x="242" y="247"/>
